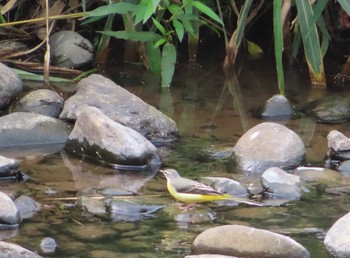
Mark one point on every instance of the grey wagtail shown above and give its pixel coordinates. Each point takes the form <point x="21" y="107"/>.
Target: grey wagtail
<point x="190" y="191"/>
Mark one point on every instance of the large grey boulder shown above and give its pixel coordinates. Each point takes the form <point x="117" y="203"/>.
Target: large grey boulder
<point x="45" y="102"/>
<point x="337" y="240"/>
<point x="8" y="250"/>
<point x="20" y="128"/>
<point x="121" y="106"/>
<point x="9" y="214"/>
<point x="10" y="85"/>
<point x="101" y="138"/>
<point x="70" y="49"/>
<point x="268" y="145"/>
<point x="242" y="241"/>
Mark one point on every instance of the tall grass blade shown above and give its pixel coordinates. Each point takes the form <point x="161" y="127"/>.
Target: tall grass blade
<point x="278" y="37"/>
<point x="311" y="42"/>
<point x="237" y="36"/>
<point x="346" y="5"/>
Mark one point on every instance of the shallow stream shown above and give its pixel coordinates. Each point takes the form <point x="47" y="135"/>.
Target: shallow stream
<point x="211" y="115"/>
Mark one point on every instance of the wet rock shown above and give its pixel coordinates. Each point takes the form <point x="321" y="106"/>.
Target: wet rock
<point x="9" y="214"/>
<point x="194" y="214"/>
<point x="70" y="49"/>
<point x="318" y="175"/>
<point x="277" y="107"/>
<point x="126" y="210"/>
<point x="26" y="206"/>
<point x="22" y="128"/>
<point x="329" y="109"/>
<point x="11" y="85"/>
<point x="48" y="245"/>
<point x="279" y="184"/>
<point x="91" y="205"/>
<point x="242" y="241"/>
<point x="209" y="256"/>
<point x="9" y="169"/>
<point x="12" y="250"/>
<point x="226" y="185"/>
<point x="338" y="146"/>
<point x="103" y="139"/>
<point x="344" y="168"/>
<point x="43" y="101"/>
<point x="268" y="145"/>
<point x="337" y="240"/>
<point x="121" y="106"/>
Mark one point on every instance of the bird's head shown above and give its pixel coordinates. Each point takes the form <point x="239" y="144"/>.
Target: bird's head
<point x="170" y="173"/>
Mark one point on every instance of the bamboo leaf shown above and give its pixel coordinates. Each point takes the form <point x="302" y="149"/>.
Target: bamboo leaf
<point x="207" y="11"/>
<point x="159" y="26"/>
<point x="120" y="8"/>
<point x="179" y="29"/>
<point x="278" y="38"/>
<point x="143" y="36"/>
<point x="168" y="64"/>
<point x="160" y="42"/>
<point x="154" y="58"/>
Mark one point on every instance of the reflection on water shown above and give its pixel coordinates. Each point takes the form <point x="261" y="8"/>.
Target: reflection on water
<point x="211" y="113"/>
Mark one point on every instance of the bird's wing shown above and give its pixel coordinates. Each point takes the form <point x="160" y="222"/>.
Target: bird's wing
<point x="185" y="185"/>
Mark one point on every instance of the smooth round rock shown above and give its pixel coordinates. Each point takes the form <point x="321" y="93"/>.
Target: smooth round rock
<point x="278" y="106"/>
<point x="9" y="213"/>
<point x="337" y="240"/>
<point x="11" y="85"/>
<point x="70" y="49"/>
<point x="268" y="145"/>
<point x="242" y="241"/>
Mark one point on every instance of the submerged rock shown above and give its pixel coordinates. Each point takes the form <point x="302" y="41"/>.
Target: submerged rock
<point x="48" y="245"/>
<point x="26" y="206"/>
<point x="92" y="205"/>
<point x="242" y="241"/>
<point x="127" y="210"/>
<point x="9" y="214"/>
<point x="279" y="184"/>
<point x="121" y="106"/>
<point x="337" y="240"/>
<point x="45" y="102"/>
<point x="268" y="145"/>
<point x="11" y="85"/>
<point x="13" y="250"/>
<point x="70" y="49"/>
<point x="195" y="214"/>
<point x="99" y="137"/>
<point x="22" y="128"/>
<point x="329" y="109"/>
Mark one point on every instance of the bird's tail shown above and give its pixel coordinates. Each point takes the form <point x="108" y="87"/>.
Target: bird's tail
<point x="240" y="200"/>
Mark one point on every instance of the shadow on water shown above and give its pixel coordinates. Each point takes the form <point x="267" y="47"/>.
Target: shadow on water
<point x="211" y="113"/>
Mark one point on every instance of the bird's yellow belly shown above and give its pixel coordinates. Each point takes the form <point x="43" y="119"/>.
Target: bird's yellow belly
<point x="193" y="198"/>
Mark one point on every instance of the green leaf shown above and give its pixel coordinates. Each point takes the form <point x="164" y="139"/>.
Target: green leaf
<point x="159" y="26"/>
<point x="241" y="23"/>
<point x="278" y="38"/>
<point x="207" y="11"/>
<point x="160" y="42"/>
<point x="143" y="36"/>
<point x="154" y="58"/>
<point x="38" y="77"/>
<point x="175" y="9"/>
<point x="168" y="64"/>
<point x="120" y="8"/>
<point x="179" y="29"/>
<point x="346" y="5"/>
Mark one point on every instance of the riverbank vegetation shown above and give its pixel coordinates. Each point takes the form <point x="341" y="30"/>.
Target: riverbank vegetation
<point x="159" y="34"/>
